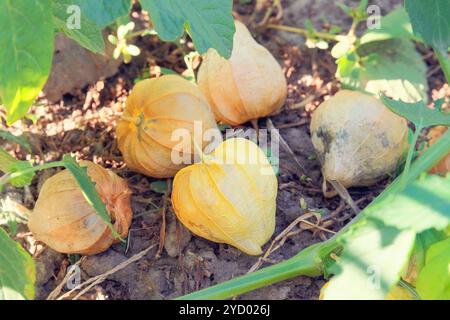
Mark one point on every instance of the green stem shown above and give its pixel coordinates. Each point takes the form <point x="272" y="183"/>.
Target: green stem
<point x="309" y="261"/>
<point x="306" y="33"/>
<point x="409" y="157"/>
<point x="444" y="61"/>
<point x="140" y="33"/>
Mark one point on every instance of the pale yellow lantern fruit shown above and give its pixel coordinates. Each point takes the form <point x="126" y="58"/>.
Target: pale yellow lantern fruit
<point x="64" y="220"/>
<point x="155" y="110"/>
<point x="248" y="86"/>
<point x="229" y="197"/>
<point x="357" y="139"/>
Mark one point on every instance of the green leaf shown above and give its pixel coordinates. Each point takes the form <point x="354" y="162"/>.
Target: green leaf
<point x="89" y="35"/>
<point x="104" y="12"/>
<point x="433" y="281"/>
<point x="17" y="270"/>
<point x="423" y="204"/>
<point x="20" y="140"/>
<point x="392" y="66"/>
<point x="341" y="48"/>
<point x="26" y="50"/>
<point x="88" y="188"/>
<point x="209" y="23"/>
<point x="374" y="255"/>
<point x="159" y="186"/>
<point x="25" y="179"/>
<point x="430" y="20"/>
<point x="418" y="113"/>
<point x="396" y="24"/>
<point x="9" y="165"/>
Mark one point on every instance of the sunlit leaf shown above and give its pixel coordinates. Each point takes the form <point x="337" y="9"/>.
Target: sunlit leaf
<point x="374" y="255"/>
<point x="430" y="19"/>
<point x="209" y="23"/>
<point x="392" y="66"/>
<point x="26" y="50"/>
<point x="434" y="279"/>
<point x="423" y="204"/>
<point x="88" y="35"/>
<point x="418" y="113"/>
<point x="396" y="24"/>
<point x="17" y="270"/>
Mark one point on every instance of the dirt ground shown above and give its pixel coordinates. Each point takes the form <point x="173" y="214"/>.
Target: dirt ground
<point x="83" y="123"/>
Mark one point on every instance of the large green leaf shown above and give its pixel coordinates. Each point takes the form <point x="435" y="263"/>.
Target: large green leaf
<point x="391" y="66"/>
<point x="430" y="19"/>
<point x="209" y="23"/>
<point x="373" y="258"/>
<point x="26" y="50"/>
<point x="104" y="12"/>
<point x="88" y="188"/>
<point x="423" y="204"/>
<point x="396" y="24"/>
<point x="418" y="113"/>
<point x="17" y="270"/>
<point x="89" y="35"/>
<point x="433" y="281"/>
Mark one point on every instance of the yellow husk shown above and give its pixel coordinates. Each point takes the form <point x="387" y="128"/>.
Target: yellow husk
<point x="248" y="86"/>
<point x="230" y="201"/>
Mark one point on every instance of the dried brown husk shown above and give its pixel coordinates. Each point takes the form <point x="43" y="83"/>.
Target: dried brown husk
<point x="66" y="222"/>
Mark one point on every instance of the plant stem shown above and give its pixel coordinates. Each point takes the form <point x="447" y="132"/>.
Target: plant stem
<point x="444" y="61"/>
<point x="409" y="157"/>
<point x="140" y="33"/>
<point x="309" y="261"/>
<point x="323" y="35"/>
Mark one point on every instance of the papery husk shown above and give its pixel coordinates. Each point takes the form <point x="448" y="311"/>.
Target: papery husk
<point x="443" y="166"/>
<point x="154" y="110"/>
<point x="248" y="86"/>
<point x="64" y="220"/>
<point x="230" y="201"/>
<point x="357" y="139"/>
